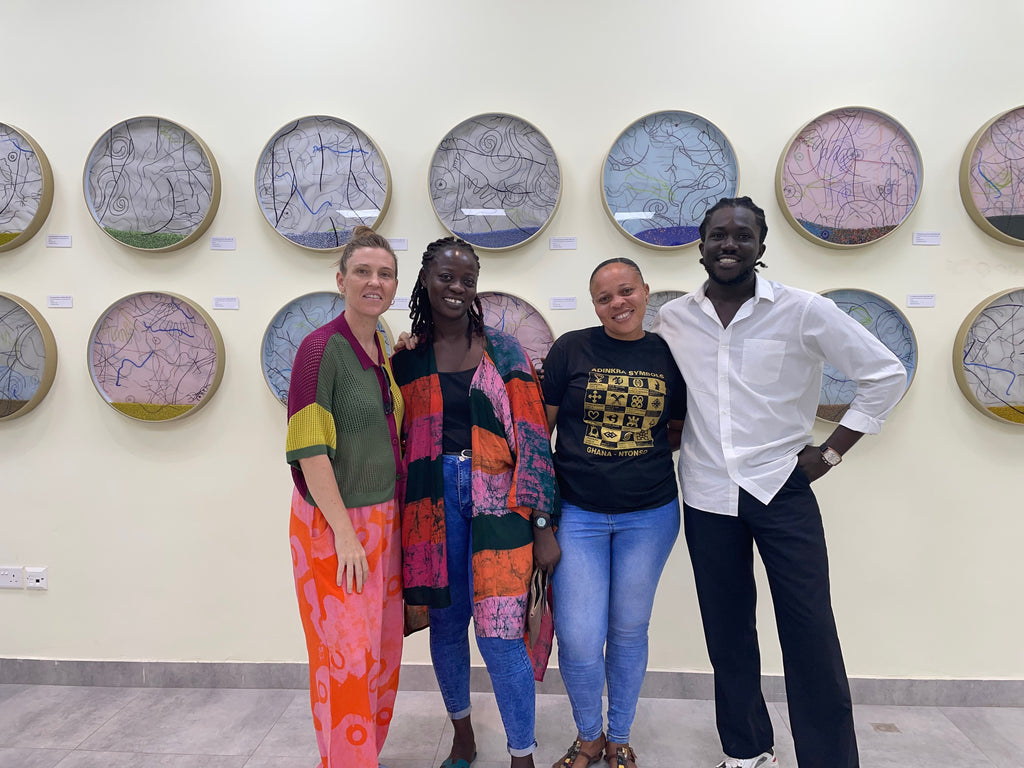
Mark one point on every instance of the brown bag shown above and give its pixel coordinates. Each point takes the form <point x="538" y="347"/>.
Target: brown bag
<point x="540" y="624"/>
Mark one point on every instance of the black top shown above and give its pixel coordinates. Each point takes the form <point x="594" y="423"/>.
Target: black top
<point x="614" y="400"/>
<point x="457" y="432"/>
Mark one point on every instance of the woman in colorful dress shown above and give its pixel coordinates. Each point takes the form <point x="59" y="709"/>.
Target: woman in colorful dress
<point x="480" y="493"/>
<point x="343" y="416"/>
<point x="618" y="400"/>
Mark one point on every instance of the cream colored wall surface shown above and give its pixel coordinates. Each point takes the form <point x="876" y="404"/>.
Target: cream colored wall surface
<point x="168" y="541"/>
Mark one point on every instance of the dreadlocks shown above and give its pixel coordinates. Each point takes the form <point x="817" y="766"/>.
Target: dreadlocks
<point x="419" y="303"/>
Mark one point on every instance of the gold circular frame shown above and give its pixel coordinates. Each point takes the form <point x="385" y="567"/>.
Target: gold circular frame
<point x="154" y="412"/>
<point x="966" y="164"/>
<point x="604" y="197"/>
<point x="45" y="197"/>
<point x="49" y="357"/>
<point x="356" y="129"/>
<point x="666" y="298"/>
<point x="554" y="208"/>
<point x="913" y="338"/>
<point x="215" y="188"/>
<point x="1014" y="411"/>
<point x="780" y="189"/>
<point x="281" y="394"/>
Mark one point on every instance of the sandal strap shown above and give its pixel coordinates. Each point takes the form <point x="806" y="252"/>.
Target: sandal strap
<point x="576" y="750"/>
<point x="623" y="756"/>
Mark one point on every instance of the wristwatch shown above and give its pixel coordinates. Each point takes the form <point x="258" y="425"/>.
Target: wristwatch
<point x="542" y="522"/>
<point x="830" y="455"/>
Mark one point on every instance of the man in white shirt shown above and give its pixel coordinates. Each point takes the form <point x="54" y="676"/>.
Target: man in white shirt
<point x="751" y="352"/>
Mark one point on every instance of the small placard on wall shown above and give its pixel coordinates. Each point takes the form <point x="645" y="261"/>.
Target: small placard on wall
<point x="927" y="238"/>
<point x="225" y="302"/>
<point x="400" y="302"/>
<point x="62" y="301"/>
<point x="920" y="299"/>
<point x="562" y="243"/>
<point x="58" y="241"/>
<point x="562" y="302"/>
<point x="222" y="243"/>
<point x="399" y="243"/>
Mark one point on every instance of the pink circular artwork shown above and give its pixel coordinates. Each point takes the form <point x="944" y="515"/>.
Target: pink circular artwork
<point x="521" y="319"/>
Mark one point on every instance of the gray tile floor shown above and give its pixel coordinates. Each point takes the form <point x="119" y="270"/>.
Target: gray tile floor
<point x="82" y="727"/>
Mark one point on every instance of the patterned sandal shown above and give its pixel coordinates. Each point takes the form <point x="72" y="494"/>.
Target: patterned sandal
<point x="568" y="760"/>
<point x="624" y="757"/>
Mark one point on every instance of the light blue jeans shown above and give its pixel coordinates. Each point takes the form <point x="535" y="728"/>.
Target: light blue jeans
<point x="507" y="661"/>
<point x="604" y="589"/>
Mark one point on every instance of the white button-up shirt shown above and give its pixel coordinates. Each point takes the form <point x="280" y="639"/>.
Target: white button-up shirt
<point x="752" y="388"/>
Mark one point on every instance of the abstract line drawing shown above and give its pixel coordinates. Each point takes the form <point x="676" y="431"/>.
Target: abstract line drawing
<point x="294" y="322"/>
<point x="655" y="302"/>
<point x="26" y="187"/>
<point x="28" y="357"/>
<point x="318" y="178"/>
<point x="521" y="319"/>
<point x="662" y="174"/>
<point x="849" y="177"/>
<point x="992" y="177"/>
<point x="151" y="184"/>
<point x="494" y="181"/>
<point x="988" y="357"/>
<point x="156" y="356"/>
<point x="887" y="324"/>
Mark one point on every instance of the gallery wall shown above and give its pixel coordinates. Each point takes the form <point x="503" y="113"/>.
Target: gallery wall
<point x="168" y="541"/>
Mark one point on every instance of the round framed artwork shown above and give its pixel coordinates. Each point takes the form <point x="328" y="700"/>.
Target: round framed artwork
<point x="156" y="356"/>
<point x="292" y="323"/>
<point x="320" y="177"/>
<point x="992" y="177"/>
<point x="663" y="173"/>
<point x="151" y="184"/>
<point x="655" y="302"/>
<point x="26" y="187"/>
<point x="887" y="324"/>
<point x="849" y="177"/>
<point x="988" y="357"/>
<point x="494" y="181"/>
<point x="521" y="319"/>
<point x="28" y="357"/>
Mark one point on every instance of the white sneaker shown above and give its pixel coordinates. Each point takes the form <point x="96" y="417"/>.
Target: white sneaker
<point x="764" y="760"/>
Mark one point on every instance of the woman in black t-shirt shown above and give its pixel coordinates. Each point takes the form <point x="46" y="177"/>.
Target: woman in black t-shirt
<point x="618" y="400"/>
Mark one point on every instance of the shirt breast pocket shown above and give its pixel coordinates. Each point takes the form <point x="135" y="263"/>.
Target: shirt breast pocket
<point x="762" y="361"/>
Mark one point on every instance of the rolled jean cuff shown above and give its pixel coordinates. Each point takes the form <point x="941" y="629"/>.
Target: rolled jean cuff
<point x="460" y="714"/>
<point x="523" y="752"/>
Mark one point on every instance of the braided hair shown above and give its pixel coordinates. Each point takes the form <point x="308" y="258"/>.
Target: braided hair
<point x="739" y="202"/>
<point x="419" y="303"/>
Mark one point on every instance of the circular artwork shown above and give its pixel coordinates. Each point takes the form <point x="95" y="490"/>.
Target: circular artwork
<point x="319" y="178"/>
<point x="663" y="173"/>
<point x="521" y="319"/>
<point x="887" y="324"/>
<point x="151" y="184"/>
<point x="156" y="356"/>
<point x="655" y="302"/>
<point x="988" y="357"/>
<point x="294" y="322"/>
<point x="992" y="177"/>
<point x="26" y="187"/>
<point x="494" y="181"/>
<point x="849" y="178"/>
<point x="28" y="357"/>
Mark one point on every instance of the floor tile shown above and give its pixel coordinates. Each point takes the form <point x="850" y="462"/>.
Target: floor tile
<point x="15" y="757"/>
<point x="416" y="729"/>
<point x="58" y="716"/>
<point x="221" y="721"/>
<point x="85" y="759"/>
<point x="266" y="761"/>
<point x="10" y="689"/>
<point x="998" y="732"/>
<point x="292" y="735"/>
<point x="924" y="738"/>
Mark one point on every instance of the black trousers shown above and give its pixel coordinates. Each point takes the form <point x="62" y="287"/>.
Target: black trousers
<point x="791" y="542"/>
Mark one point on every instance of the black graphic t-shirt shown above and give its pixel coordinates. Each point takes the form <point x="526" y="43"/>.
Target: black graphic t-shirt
<point x="614" y="401"/>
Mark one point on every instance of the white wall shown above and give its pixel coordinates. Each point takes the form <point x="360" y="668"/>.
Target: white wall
<point x="168" y="541"/>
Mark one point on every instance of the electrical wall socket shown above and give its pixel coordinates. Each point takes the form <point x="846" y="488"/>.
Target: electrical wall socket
<point x="35" y="577"/>
<point x="10" y="577"/>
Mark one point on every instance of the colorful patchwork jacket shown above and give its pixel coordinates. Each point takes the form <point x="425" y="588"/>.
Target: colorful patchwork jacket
<point x="512" y="474"/>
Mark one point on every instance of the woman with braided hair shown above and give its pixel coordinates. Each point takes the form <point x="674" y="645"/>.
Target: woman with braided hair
<point x="479" y="495"/>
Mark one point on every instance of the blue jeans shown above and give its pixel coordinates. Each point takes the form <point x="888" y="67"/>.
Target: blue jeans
<point x="507" y="660"/>
<point x="604" y="591"/>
